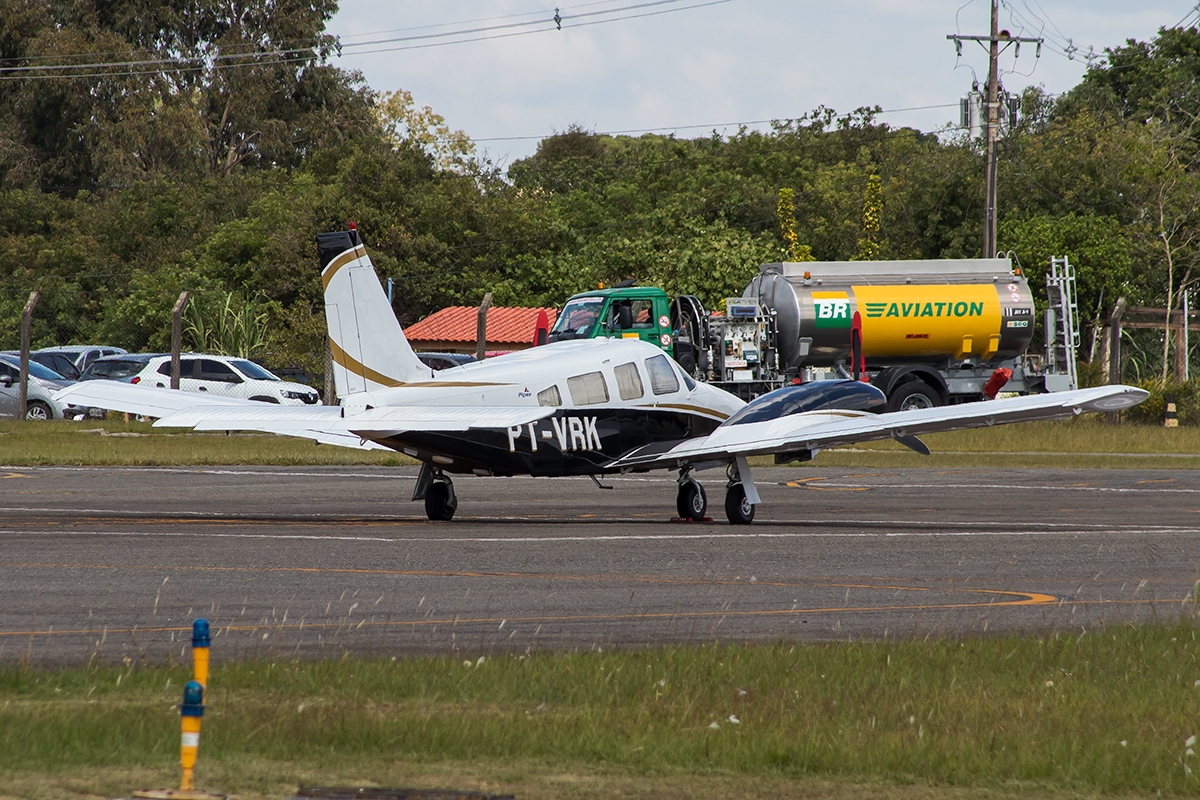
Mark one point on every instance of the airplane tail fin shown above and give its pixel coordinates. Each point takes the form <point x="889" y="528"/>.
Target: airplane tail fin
<point x="369" y="347"/>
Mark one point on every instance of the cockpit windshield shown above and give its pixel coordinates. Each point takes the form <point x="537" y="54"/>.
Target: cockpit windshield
<point x="577" y="320"/>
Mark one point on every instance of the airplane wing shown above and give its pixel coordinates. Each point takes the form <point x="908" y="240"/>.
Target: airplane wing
<point x="817" y="430"/>
<point x="326" y="424"/>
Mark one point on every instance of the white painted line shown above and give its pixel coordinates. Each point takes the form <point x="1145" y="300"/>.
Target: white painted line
<point x="1000" y="487"/>
<point x="408" y="540"/>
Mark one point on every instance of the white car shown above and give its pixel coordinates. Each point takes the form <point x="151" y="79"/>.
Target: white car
<point x="221" y="375"/>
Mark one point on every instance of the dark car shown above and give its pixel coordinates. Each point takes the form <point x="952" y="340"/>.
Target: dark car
<point x="79" y="356"/>
<point x="440" y="361"/>
<point x="117" y="368"/>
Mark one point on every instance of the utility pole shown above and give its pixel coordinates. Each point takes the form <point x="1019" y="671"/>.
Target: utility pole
<point x="993" y="115"/>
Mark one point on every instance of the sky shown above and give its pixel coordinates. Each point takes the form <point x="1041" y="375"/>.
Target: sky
<point x="690" y="67"/>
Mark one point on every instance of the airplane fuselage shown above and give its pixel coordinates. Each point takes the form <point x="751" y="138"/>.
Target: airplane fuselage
<point x="609" y="396"/>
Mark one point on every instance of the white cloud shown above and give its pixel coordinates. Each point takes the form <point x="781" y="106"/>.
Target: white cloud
<point x="742" y="60"/>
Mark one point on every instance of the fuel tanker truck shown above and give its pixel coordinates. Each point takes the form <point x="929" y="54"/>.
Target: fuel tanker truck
<point x="926" y="333"/>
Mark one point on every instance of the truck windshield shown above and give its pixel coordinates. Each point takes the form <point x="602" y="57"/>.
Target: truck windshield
<point x="577" y="320"/>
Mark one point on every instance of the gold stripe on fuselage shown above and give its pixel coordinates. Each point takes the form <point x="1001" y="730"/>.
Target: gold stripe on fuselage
<point x="685" y="407"/>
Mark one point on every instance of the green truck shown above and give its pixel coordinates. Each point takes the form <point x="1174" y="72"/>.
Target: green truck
<point x="639" y="312"/>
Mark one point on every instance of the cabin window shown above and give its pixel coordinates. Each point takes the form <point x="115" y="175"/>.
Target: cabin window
<point x="629" y="382"/>
<point x="687" y="380"/>
<point x="549" y="397"/>
<point x="662" y="377"/>
<point x="588" y="389"/>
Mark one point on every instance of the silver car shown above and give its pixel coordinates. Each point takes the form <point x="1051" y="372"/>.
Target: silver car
<point x="43" y="383"/>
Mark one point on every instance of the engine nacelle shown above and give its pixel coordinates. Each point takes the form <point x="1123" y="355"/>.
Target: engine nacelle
<point x="817" y="396"/>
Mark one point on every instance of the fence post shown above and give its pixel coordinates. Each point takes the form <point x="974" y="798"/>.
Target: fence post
<point x="26" y="337"/>
<point x="1114" y="350"/>
<point x="481" y="330"/>
<point x="177" y="336"/>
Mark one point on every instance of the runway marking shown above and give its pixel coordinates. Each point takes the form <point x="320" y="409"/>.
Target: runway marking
<point x="1028" y="487"/>
<point x="629" y="537"/>
<point x="1026" y="599"/>
<point x="828" y="488"/>
<point x="15" y="475"/>
<point x="597" y="578"/>
<point x="144" y="518"/>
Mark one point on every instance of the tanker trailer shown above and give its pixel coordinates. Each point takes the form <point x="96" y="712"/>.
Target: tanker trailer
<point x="931" y="332"/>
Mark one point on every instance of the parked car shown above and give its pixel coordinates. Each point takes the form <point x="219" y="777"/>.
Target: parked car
<point x="121" y="368"/>
<point x="230" y="377"/>
<point x="80" y="356"/>
<point x="43" y="383"/>
<point x="440" y="361"/>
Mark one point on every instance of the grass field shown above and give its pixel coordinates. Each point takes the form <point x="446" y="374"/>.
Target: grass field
<point x="1069" y="714"/>
<point x="1085" y="442"/>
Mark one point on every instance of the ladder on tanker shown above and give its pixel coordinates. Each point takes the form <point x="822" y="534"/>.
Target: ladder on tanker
<point x="1062" y="326"/>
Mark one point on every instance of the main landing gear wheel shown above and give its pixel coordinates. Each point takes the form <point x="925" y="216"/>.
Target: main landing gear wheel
<point x="440" y="502"/>
<point x="738" y="510"/>
<point x="691" y="502"/>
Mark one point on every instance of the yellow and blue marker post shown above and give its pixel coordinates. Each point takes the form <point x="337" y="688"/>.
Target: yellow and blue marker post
<point x="191" y="712"/>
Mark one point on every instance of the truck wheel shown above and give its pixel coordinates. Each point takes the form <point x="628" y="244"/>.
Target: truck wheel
<point x="913" y="395"/>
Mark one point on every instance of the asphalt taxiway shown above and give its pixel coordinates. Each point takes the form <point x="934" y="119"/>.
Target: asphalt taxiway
<point x="114" y="563"/>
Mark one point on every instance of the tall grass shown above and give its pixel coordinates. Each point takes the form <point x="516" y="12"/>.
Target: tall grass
<point x="1102" y="710"/>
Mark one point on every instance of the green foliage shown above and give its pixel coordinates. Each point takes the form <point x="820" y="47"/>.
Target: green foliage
<point x="1152" y="410"/>
<point x="1099" y="248"/>
<point x="217" y="181"/>
<point x="229" y="324"/>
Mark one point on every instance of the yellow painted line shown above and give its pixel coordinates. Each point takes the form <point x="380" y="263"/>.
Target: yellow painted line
<point x="836" y="488"/>
<point x="1028" y="598"/>
<point x="15" y="475"/>
<point x="1157" y="480"/>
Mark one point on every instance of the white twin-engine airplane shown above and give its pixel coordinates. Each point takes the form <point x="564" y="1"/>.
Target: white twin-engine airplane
<point x="590" y="407"/>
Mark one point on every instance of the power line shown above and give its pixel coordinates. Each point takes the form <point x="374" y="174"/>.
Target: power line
<point x="557" y="19"/>
<point x="186" y="64"/>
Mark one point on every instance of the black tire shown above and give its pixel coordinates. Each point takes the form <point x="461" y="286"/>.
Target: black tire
<point x="37" y="411"/>
<point x="913" y="395"/>
<point x="438" y="505"/>
<point x="738" y="510"/>
<point x="691" y="502"/>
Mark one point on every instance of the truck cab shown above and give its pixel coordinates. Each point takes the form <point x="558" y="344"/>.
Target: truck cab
<point x="637" y="312"/>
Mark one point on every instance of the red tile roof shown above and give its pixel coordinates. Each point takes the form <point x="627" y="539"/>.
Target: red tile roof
<point x="461" y="323"/>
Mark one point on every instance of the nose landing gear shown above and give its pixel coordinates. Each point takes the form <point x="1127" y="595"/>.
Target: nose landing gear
<point x="438" y="493"/>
